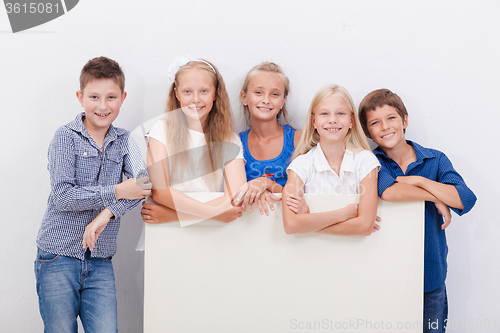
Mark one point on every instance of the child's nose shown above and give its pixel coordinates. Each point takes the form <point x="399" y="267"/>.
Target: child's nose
<point x="266" y="98"/>
<point x="196" y="97"/>
<point x="103" y="104"/>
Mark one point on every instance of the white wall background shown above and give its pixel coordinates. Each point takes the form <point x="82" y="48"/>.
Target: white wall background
<point x="440" y="57"/>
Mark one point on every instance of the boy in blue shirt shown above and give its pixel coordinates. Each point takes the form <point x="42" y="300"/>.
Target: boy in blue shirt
<point x="87" y="159"/>
<point x="410" y="172"/>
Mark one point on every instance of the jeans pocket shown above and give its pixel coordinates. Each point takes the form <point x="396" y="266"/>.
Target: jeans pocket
<point x="44" y="257"/>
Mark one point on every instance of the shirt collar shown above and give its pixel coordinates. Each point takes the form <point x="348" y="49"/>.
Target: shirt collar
<point x="78" y="126"/>
<point x="420" y="152"/>
<point x="321" y="163"/>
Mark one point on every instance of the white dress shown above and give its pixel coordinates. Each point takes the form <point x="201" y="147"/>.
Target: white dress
<point x="191" y="181"/>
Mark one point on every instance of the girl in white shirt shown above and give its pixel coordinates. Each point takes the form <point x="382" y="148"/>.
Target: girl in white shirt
<point x="179" y="158"/>
<point x="332" y="157"/>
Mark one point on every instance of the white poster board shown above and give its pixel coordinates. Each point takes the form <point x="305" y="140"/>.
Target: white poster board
<point x="250" y="276"/>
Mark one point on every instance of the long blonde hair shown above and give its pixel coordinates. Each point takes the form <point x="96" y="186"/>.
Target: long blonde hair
<point x="354" y="140"/>
<point x="269" y="67"/>
<point x="217" y="129"/>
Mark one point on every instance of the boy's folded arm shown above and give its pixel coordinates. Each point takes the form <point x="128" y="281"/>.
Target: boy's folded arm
<point x="400" y="192"/>
<point x="446" y="193"/>
<point x="390" y="190"/>
<point x="448" y="175"/>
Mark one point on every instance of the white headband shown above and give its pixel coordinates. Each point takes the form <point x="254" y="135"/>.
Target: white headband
<point x="181" y="61"/>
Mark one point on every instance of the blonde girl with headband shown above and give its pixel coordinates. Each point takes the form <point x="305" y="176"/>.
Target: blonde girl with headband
<point x="267" y="145"/>
<point x="332" y="157"/>
<point x="193" y="148"/>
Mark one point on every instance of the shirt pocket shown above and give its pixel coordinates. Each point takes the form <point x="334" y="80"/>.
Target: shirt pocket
<point x="87" y="164"/>
<point x="114" y="163"/>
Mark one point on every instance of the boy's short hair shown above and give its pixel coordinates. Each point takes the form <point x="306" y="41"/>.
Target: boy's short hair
<point x="379" y="98"/>
<point x="102" y="68"/>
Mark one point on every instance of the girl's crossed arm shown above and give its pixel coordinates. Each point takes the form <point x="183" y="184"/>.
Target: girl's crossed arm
<point x="364" y="223"/>
<point x="304" y="223"/>
<point x="220" y="209"/>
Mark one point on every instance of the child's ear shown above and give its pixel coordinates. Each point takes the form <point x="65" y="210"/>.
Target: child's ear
<point x="176" y="95"/>
<point x="284" y="100"/>
<point x="79" y="95"/>
<point x="313" y="122"/>
<point x="124" y="95"/>
<point x="405" y="122"/>
<point x="352" y="121"/>
<point x="243" y="98"/>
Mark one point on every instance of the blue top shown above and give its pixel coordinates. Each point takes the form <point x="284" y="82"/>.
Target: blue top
<point x="256" y="168"/>
<point x="434" y="165"/>
<point x="83" y="180"/>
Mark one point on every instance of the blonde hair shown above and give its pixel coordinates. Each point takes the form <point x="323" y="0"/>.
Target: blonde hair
<point x="354" y="140"/>
<point x="269" y="67"/>
<point x="217" y="128"/>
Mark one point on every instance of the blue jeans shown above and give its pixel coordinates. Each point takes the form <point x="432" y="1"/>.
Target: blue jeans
<point x="69" y="287"/>
<point x="436" y="310"/>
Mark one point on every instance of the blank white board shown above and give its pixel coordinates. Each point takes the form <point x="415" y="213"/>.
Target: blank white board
<point x="250" y="276"/>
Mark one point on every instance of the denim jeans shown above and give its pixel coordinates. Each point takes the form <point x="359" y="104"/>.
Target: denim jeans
<point x="436" y="310"/>
<point x="69" y="287"/>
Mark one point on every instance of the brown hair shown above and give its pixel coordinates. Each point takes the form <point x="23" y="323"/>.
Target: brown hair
<point x="102" y="68"/>
<point x="270" y="67"/>
<point x="218" y="127"/>
<point x="379" y="98"/>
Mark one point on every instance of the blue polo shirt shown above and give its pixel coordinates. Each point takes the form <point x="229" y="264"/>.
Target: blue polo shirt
<point x="434" y="165"/>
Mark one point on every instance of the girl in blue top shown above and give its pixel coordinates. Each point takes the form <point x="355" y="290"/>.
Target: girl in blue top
<point x="267" y="145"/>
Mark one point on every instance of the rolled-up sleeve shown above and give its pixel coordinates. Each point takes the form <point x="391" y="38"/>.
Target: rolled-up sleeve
<point x="448" y="175"/>
<point x="385" y="180"/>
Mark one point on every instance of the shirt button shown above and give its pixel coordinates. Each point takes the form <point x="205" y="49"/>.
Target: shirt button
<point x="114" y="201"/>
<point x="85" y="153"/>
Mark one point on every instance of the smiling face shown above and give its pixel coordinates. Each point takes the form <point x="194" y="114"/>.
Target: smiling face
<point x="332" y="119"/>
<point x="386" y="127"/>
<point x="196" y="95"/>
<point x="265" y="96"/>
<point x="101" y="99"/>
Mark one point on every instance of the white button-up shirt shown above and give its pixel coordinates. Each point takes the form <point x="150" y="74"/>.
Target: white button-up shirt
<point x="318" y="177"/>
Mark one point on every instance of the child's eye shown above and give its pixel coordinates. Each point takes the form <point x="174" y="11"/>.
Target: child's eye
<point x="374" y="123"/>
<point x="204" y="91"/>
<point x="112" y="97"/>
<point x="93" y="97"/>
<point x="187" y="91"/>
<point x="341" y="113"/>
<point x="276" y="95"/>
<point x="392" y="118"/>
<point x="258" y="92"/>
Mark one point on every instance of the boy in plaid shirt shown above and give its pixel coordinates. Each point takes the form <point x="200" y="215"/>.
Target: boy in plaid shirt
<point x="87" y="159"/>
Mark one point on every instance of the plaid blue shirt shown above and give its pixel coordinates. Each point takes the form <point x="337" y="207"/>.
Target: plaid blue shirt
<point x="434" y="165"/>
<point x="83" y="180"/>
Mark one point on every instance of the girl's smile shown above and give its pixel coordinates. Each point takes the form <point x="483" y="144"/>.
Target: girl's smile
<point x="265" y="96"/>
<point x="332" y="119"/>
<point x="196" y="95"/>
